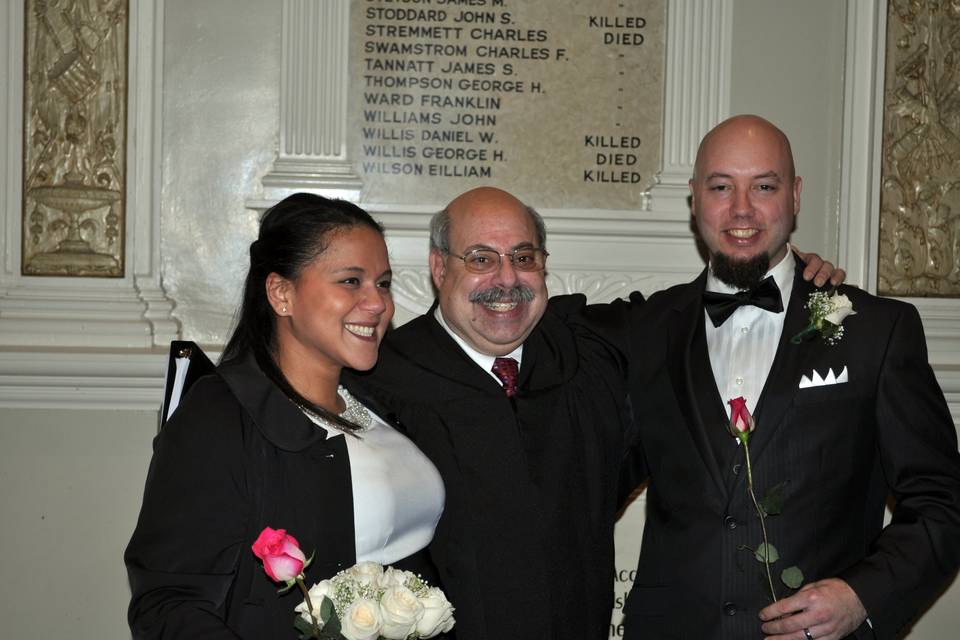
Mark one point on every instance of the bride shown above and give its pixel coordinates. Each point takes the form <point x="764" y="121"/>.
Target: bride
<point x="272" y="439"/>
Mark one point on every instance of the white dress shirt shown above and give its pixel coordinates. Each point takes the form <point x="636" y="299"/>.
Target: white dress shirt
<point x="742" y="348"/>
<point x="484" y="361"/>
<point x="397" y="492"/>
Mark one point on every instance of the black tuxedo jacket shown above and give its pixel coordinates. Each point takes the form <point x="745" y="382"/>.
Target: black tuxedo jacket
<point x="525" y="543"/>
<point x="840" y="450"/>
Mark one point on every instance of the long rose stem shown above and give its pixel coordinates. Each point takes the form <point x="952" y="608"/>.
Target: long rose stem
<point x="763" y="516"/>
<point x="306" y="597"/>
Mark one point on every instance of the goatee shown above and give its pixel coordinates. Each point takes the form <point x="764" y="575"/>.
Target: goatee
<point x="742" y="274"/>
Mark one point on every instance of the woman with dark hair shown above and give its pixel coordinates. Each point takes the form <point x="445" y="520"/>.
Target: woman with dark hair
<point x="272" y="440"/>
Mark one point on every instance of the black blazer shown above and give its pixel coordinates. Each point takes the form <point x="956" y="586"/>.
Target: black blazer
<point x="841" y="450"/>
<point x="525" y="543"/>
<point x="237" y="456"/>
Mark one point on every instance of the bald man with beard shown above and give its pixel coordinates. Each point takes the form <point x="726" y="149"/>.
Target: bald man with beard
<point x="841" y="425"/>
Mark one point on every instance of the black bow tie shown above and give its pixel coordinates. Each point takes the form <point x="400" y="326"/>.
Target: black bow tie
<point x="721" y="306"/>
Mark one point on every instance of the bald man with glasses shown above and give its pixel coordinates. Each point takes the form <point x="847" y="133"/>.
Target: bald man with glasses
<point x="524" y="419"/>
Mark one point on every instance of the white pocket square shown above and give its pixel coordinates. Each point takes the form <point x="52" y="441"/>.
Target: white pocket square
<point x="815" y="380"/>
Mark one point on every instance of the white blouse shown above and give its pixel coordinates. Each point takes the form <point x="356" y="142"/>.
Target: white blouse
<point x="398" y="493"/>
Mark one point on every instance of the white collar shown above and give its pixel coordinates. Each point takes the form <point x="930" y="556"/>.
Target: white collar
<point x="483" y="361"/>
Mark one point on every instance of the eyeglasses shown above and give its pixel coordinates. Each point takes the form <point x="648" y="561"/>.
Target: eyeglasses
<point x="488" y="260"/>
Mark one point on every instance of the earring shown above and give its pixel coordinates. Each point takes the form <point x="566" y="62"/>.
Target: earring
<point x="283" y="309"/>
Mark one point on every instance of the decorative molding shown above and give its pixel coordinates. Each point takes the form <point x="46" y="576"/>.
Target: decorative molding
<point x="11" y="128"/>
<point x="58" y="379"/>
<point x="145" y="104"/>
<point x="598" y="286"/>
<point x="941" y="326"/>
<point x="697" y="92"/>
<point x="131" y="312"/>
<point x="861" y="184"/>
<point x="860" y="159"/>
<point x="74" y="142"/>
<point x="314" y="84"/>
<point x="919" y="192"/>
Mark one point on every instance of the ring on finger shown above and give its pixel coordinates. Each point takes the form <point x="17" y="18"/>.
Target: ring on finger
<point x="807" y="634"/>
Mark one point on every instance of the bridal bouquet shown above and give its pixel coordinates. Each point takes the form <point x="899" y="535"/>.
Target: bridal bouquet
<point x="364" y="602"/>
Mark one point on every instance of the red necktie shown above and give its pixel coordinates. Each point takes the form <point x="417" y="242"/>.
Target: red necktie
<point x="507" y="369"/>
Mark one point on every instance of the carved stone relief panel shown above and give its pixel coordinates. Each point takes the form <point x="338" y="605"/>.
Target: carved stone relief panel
<point x="920" y="192"/>
<point x="75" y="94"/>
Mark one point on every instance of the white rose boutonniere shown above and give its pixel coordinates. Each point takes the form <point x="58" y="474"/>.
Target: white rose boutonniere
<point x="827" y="313"/>
<point x="842" y="307"/>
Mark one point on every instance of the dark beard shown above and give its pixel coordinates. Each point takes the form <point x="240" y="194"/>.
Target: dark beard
<point x="742" y="274"/>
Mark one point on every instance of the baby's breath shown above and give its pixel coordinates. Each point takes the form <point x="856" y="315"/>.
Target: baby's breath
<point x="821" y="304"/>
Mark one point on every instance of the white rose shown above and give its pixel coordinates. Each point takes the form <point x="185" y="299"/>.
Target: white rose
<point x="317" y="593"/>
<point x="401" y="611"/>
<point x="393" y="578"/>
<point x="842" y="307"/>
<point x="366" y="573"/>
<point x="361" y="620"/>
<point x="437" y="614"/>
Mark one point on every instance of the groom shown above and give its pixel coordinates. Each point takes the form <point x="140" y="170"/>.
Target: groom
<point x="839" y="429"/>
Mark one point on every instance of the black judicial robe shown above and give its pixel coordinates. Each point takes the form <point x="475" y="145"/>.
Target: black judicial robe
<point x="525" y="544"/>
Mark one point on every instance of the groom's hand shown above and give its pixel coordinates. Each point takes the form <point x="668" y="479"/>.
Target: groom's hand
<point x="819" y="270"/>
<point x="828" y="609"/>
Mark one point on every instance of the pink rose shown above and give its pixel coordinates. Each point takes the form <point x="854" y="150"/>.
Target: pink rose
<point x="741" y="422"/>
<point x="281" y="555"/>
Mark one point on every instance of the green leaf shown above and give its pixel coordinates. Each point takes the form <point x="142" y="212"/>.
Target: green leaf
<point x="792" y="577"/>
<point x="304" y="627"/>
<point x="772" y="503"/>
<point x="329" y="634"/>
<point x="766" y="551"/>
<point x="327" y="610"/>
<point x="331" y="623"/>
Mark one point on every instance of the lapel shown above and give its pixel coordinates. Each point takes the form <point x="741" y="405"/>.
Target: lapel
<point x="782" y="383"/>
<point x="279" y="420"/>
<point x="687" y="312"/>
<point x="551" y="341"/>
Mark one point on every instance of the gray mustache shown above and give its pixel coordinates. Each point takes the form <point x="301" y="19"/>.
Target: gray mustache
<point x="516" y="294"/>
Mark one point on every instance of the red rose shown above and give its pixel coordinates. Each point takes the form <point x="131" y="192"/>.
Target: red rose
<point x="282" y="558"/>
<point x="741" y="422"/>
